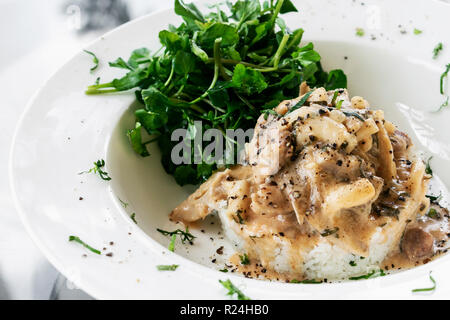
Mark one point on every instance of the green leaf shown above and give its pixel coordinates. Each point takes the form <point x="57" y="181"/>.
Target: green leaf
<point x="131" y="80"/>
<point x="155" y="100"/>
<point x="184" y="62"/>
<point x="246" y="10"/>
<point x="120" y="63"/>
<point x="137" y="56"/>
<point x="151" y="120"/>
<point x="189" y="11"/>
<point x="217" y="30"/>
<point x="247" y="80"/>
<point x="336" y="80"/>
<point x="204" y="171"/>
<point x="185" y="174"/>
<point x="135" y="137"/>
<point x="288" y="6"/>
<point x="170" y="40"/>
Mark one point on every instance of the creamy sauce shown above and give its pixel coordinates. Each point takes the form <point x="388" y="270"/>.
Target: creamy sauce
<point x="318" y="174"/>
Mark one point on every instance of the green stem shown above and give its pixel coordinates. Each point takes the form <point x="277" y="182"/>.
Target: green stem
<point x="171" y="73"/>
<point x="294" y="39"/>
<point x="96" y="91"/>
<point x="217" y="62"/>
<point x="278" y="54"/>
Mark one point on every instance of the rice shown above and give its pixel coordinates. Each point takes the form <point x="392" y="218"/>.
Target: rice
<point x="324" y="261"/>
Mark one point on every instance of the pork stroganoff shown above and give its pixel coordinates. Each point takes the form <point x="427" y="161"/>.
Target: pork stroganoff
<point x="330" y="189"/>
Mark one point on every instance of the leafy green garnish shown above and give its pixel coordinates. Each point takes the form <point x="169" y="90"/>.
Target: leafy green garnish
<point x="123" y="203"/>
<point x="417" y="31"/>
<point x="171" y="267"/>
<point x="232" y="289"/>
<point x="301" y="102"/>
<point x="427" y="289"/>
<point x="432" y="213"/>
<point x="353" y="263"/>
<point x="135" y="137"/>
<point x="351" y="114"/>
<point x="437" y="50"/>
<point x="443" y="76"/>
<point x="239" y="216"/>
<point x="84" y="244"/>
<point x="370" y="275"/>
<point x="98" y="165"/>
<point x="329" y="232"/>
<point x="224" y="270"/>
<point x="133" y="217"/>
<point x="184" y="236"/>
<point x="224" y="68"/>
<point x="359" y="32"/>
<point x="306" y="281"/>
<point x="428" y="169"/>
<point x="434" y="199"/>
<point x="444" y="104"/>
<point x="244" y="259"/>
<point x="94" y="59"/>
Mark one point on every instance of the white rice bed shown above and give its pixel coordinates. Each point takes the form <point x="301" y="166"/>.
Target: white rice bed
<point x="325" y="261"/>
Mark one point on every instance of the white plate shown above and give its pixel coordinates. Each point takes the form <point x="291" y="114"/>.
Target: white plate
<point x="63" y="131"/>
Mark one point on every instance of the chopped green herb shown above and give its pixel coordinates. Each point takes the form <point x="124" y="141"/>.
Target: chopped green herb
<point x="437" y="50"/>
<point x="353" y="114"/>
<point x="428" y="169"/>
<point x="232" y="289"/>
<point x="427" y="289"/>
<point x="370" y="275"/>
<point x="225" y="83"/>
<point x="432" y="213"/>
<point x="443" y="76"/>
<point x="184" y="236"/>
<point x="353" y="263"/>
<point x="301" y="102"/>
<point x="335" y="95"/>
<point x="444" y="104"/>
<point x="270" y="111"/>
<point x="123" y="203"/>
<point x="329" y="232"/>
<point x="94" y="59"/>
<point x="306" y="281"/>
<point x="98" y="165"/>
<point x="434" y="199"/>
<point x="133" y="217"/>
<point x="360" y="32"/>
<point x="171" y="267"/>
<point x="339" y="104"/>
<point x="78" y="240"/>
<point x="239" y="216"/>
<point x="244" y="259"/>
<point x="172" y="243"/>
<point x="224" y="270"/>
<point x="417" y="31"/>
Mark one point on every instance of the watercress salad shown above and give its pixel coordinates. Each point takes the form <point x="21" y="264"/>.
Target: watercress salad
<point x="225" y="68"/>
